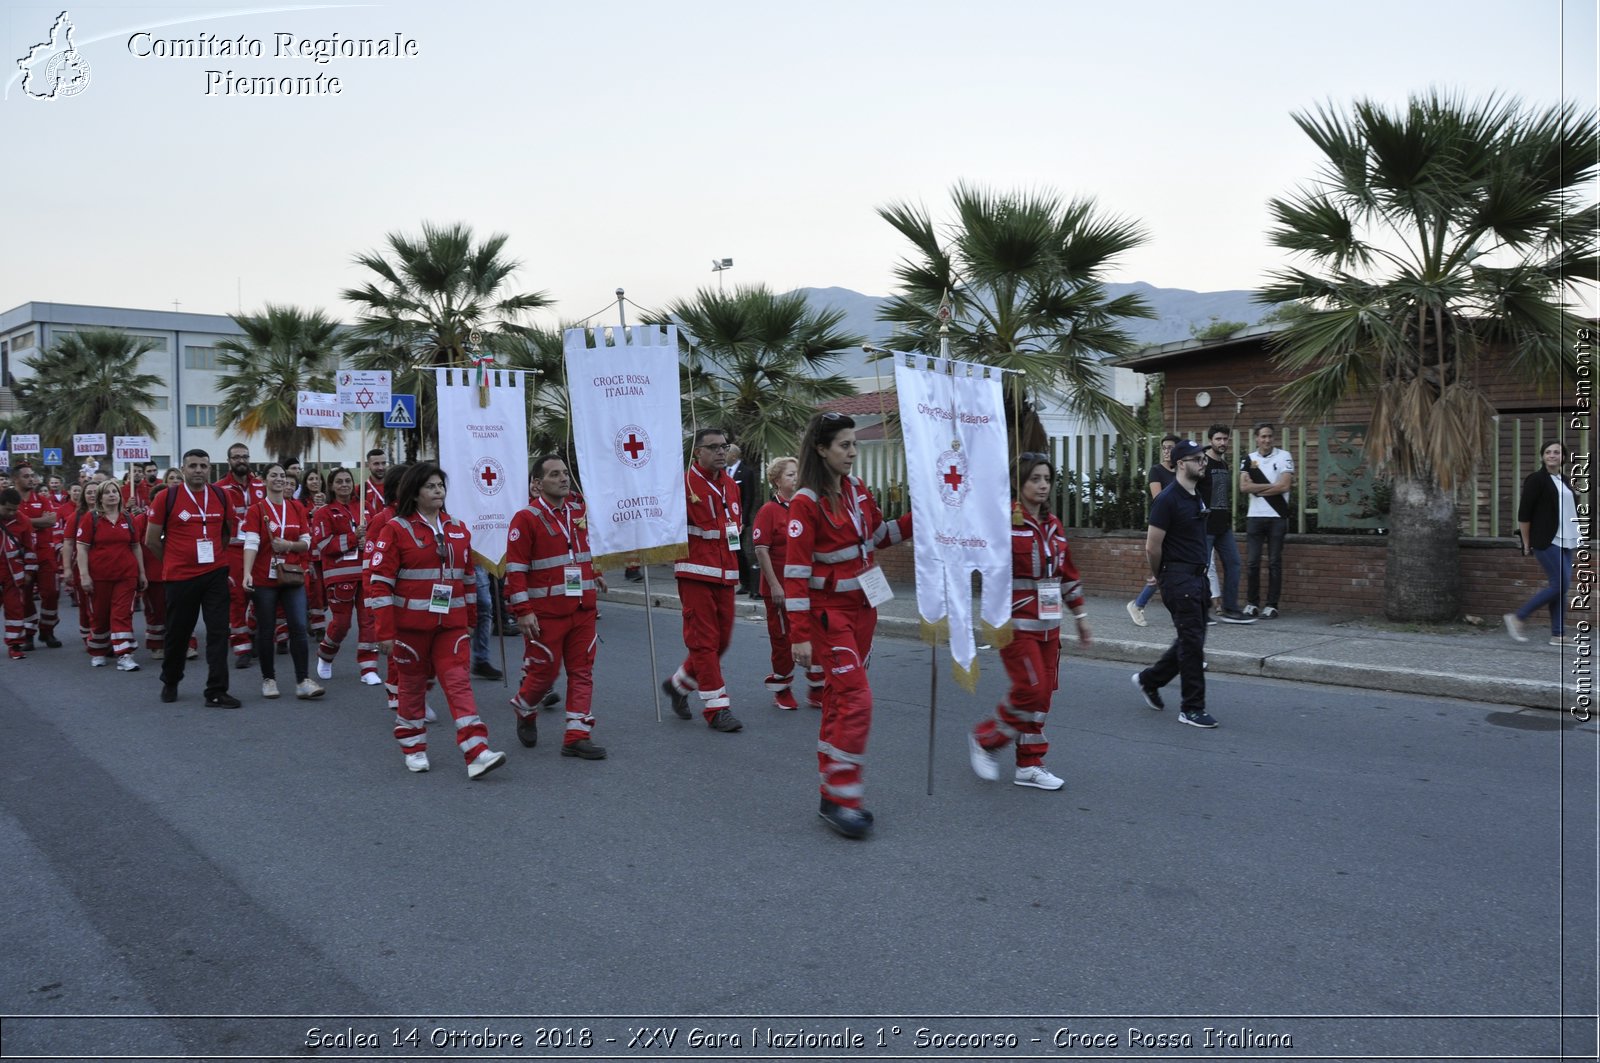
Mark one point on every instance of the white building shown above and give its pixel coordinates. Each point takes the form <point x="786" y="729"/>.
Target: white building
<point x="184" y="357"/>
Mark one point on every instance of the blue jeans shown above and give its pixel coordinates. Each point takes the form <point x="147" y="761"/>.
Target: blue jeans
<point x="293" y="602"/>
<point x="1557" y="564"/>
<point x="480" y="634"/>
<point x="1144" y="595"/>
<point x="1268" y="532"/>
<point x="1227" y="548"/>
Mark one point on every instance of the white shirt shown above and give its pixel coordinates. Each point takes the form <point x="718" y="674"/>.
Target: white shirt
<point x="1566" y="518"/>
<point x="1273" y="465"/>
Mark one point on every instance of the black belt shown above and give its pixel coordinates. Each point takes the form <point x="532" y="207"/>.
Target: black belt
<point x="1183" y="570"/>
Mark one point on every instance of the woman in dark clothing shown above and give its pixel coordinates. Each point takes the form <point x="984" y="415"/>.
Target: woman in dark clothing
<point x="1547" y="515"/>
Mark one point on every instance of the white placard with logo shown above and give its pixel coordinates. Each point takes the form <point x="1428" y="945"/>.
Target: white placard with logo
<point x="318" y="409"/>
<point x="485" y="456"/>
<point x="953" y="421"/>
<point x="131" y="448"/>
<point x="88" y="444"/>
<point x="25" y="444"/>
<point x="364" y="390"/>
<point x="627" y="428"/>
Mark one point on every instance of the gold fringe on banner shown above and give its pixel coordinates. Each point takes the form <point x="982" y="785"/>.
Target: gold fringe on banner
<point x="936" y="632"/>
<point x="658" y="555"/>
<point x="497" y="569"/>
<point x="999" y="637"/>
<point x="966" y="678"/>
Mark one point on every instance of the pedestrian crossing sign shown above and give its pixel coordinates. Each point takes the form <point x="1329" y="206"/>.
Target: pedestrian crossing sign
<point x="403" y="414"/>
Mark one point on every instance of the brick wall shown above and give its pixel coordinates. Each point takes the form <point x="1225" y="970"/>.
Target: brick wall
<point x="1341" y="575"/>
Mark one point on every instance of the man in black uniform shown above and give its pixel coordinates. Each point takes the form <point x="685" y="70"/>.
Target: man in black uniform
<point x="1175" y="546"/>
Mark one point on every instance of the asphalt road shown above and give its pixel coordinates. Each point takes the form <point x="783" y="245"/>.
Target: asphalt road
<point x="1361" y="874"/>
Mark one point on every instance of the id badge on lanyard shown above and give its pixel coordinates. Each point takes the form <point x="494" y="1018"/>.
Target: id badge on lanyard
<point x="440" y="602"/>
<point x="573" y="585"/>
<point x="732" y="533"/>
<point x="1050" y="601"/>
<point x="204" y="552"/>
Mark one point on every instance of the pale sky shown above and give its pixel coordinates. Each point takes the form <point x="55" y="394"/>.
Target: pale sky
<point x="630" y="143"/>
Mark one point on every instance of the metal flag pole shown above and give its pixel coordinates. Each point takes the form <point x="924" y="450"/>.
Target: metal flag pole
<point x="649" y="610"/>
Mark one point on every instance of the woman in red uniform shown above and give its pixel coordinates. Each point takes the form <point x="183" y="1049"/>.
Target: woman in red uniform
<point x="1043" y="583"/>
<point x="771" y="538"/>
<point x="336" y="531"/>
<point x="418" y="579"/>
<point x="831" y="591"/>
<point x="277" y="541"/>
<point x="110" y="571"/>
<point x="155" y="592"/>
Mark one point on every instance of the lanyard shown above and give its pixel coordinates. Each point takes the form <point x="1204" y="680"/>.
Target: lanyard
<point x="572" y="548"/>
<point x="204" y="512"/>
<point x="438" y="535"/>
<point x="852" y="508"/>
<point x="1044" y="543"/>
<point x="283" y="517"/>
<point x="714" y="490"/>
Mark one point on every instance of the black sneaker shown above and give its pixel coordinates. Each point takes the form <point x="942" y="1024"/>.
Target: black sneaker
<point x="485" y="670"/>
<point x="169" y="694"/>
<point x="223" y="700"/>
<point x="51" y="641"/>
<point x="680" y="702"/>
<point x="1151" y="696"/>
<point x="1197" y="719"/>
<point x="585" y="749"/>
<point x="528" y="730"/>
<point x="1233" y="616"/>
<point x="28" y="646"/>
<point x="850" y="822"/>
<point x="244" y="660"/>
<point x="550" y="700"/>
<point x="724" y="720"/>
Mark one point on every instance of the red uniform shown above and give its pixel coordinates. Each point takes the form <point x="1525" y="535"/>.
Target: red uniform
<point x="375" y="524"/>
<point x="1040" y="561"/>
<point x="372" y="499"/>
<point x="155" y="593"/>
<point x="706" y="583"/>
<point x="241" y="613"/>
<point x="316" y="591"/>
<point x="543" y="543"/>
<point x="771" y="532"/>
<point x="136" y="497"/>
<point x="423" y="596"/>
<point x="112" y="551"/>
<point x="16" y="539"/>
<point x="44" y="598"/>
<point x="336" y="542"/>
<point x="830" y="550"/>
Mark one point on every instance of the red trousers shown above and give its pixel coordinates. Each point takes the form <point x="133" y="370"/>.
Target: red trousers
<point x="1033" y="662"/>
<point x="16" y="609"/>
<point x="445" y="654"/>
<point x="563" y="640"/>
<point x="155" y="616"/>
<point x="241" y="612"/>
<point x="44" y="600"/>
<point x="842" y="646"/>
<point x="782" y="677"/>
<point x="708" y="613"/>
<point x="342" y="603"/>
<point x="112" y="627"/>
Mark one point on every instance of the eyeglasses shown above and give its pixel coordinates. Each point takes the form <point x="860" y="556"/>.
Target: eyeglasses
<point x="719" y="448"/>
<point x="1033" y="455"/>
<point x="832" y="415"/>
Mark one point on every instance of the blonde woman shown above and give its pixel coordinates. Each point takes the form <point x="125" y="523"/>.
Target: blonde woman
<point x="111" y="572"/>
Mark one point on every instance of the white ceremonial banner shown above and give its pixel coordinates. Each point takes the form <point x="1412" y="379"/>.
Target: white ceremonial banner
<point x="484" y="455"/>
<point x="318" y="409"/>
<point x="627" y="427"/>
<point x="953" y="422"/>
<point x="130" y="448"/>
<point x="87" y="444"/>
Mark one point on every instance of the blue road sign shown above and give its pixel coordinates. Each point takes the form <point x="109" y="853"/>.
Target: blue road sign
<point x="402" y="412"/>
<point x="52" y="456"/>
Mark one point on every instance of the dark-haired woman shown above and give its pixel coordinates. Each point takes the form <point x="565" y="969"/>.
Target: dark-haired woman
<point x="1044" y="583"/>
<point x="831" y="589"/>
<point x="1547" y="514"/>
<point x="277" y="535"/>
<point x="422" y="591"/>
<point x="336" y="529"/>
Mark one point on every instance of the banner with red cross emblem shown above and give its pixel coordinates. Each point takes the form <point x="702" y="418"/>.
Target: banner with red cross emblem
<point x="483" y="450"/>
<point x="953" y="423"/>
<point x="627" y="428"/>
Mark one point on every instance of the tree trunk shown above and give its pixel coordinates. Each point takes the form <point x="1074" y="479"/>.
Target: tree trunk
<point x="1422" y="576"/>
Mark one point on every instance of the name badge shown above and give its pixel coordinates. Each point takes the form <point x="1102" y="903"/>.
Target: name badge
<point x="205" y="552"/>
<point x="1050" y="602"/>
<point x="272" y="566"/>
<point x="351" y="556"/>
<point x="440" y="602"/>
<point x="875" y="585"/>
<point x="574" y="581"/>
<point x="732" y="534"/>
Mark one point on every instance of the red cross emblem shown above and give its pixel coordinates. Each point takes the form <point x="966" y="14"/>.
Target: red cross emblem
<point x="953" y="478"/>
<point x="633" y="446"/>
<point x="487" y="476"/>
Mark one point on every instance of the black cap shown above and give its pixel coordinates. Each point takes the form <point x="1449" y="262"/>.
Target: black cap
<point x="1186" y="449"/>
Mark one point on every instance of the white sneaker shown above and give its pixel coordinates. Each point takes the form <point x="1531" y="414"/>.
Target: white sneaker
<point x="985" y="764"/>
<point x="100" y="662"/>
<point x="126" y="663"/>
<point x="269" y="688"/>
<point x="428" y="715"/>
<point x="416" y="762"/>
<point x="305" y="690"/>
<point x="1039" y="778"/>
<point x="485" y="762"/>
<point x="324" y="669"/>
<point x="1137" y="615"/>
<point x="371" y="679"/>
<point x="1513" y="626"/>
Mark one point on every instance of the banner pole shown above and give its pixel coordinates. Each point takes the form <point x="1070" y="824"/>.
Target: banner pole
<point x="933" y="704"/>
<point x="649" y="611"/>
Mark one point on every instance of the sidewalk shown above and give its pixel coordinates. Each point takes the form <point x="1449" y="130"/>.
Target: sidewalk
<point x="1476" y="664"/>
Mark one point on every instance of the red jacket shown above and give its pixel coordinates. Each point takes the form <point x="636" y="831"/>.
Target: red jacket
<point x="830" y="546"/>
<point x="1040" y="556"/>
<point x="16" y="537"/>
<point x="404" y="566"/>
<point x="542" y="542"/>
<point x="241" y="498"/>
<point x="39" y="504"/>
<point x="713" y="506"/>
<point x="336" y="542"/>
<point x="772" y="532"/>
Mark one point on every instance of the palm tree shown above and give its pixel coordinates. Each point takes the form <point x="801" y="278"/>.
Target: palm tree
<point x="430" y="296"/>
<point x="540" y="352"/>
<point x="284" y="351"/>
<point x="90" y="382"/>
<point x="757" y="364"/>
<point x="1025" y="277"/>
<point x="1438" y="235"/>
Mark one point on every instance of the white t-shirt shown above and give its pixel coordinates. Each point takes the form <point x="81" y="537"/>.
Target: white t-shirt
<point x="1566" y="518"/>
<point x="1273" y="465"/>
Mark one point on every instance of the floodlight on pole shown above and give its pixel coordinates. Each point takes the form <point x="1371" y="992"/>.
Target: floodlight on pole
<point x="717" y="266"/>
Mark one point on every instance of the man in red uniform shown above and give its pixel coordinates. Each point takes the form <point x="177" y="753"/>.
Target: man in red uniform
<point x="16" y="570"/>
<point x="372" y="496"/>
<point x="38" y="510"/>
<point x="136" y="498"/>
<point x="243" y="490"/>
<point x="706" y="582"/>
<point x="551" y="581"/>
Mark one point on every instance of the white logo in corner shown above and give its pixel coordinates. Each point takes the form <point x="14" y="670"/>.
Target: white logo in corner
<point x="54" y="69"/>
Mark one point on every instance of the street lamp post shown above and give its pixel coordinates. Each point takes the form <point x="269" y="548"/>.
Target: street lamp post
<point x="717" y="266"/>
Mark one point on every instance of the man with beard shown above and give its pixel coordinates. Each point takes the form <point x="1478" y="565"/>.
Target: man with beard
<point x="243" y="489"/>
<point x="372" y="495"/>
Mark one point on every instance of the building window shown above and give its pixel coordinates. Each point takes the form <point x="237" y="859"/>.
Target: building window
<point x="59" y="334"/>
<point x="200" y="416"/>
<point x="199" y="357"/>
<point x="157" y="343"/>
<point x="160" y="402"/>
<point x="22" y="341"/>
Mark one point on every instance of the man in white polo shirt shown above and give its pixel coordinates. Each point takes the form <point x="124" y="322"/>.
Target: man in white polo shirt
<point x="1266" y="474"/>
